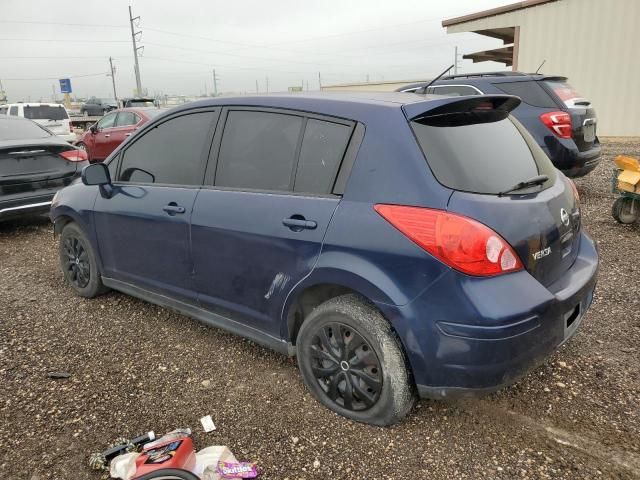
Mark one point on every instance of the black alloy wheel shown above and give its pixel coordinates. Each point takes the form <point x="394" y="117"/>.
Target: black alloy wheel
<point x="346" y="367"/>
<point x="77" y="265"/>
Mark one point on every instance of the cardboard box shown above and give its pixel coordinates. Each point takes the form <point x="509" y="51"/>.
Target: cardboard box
<point x="629" y="181"/>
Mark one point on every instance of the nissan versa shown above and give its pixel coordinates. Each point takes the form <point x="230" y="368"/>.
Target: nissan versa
<point x="397" y="244"/>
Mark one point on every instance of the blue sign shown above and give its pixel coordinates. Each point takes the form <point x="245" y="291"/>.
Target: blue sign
<point x="65" y="85"/>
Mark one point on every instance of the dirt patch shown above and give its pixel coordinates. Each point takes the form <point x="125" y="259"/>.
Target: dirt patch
<point x="136" y="367"/>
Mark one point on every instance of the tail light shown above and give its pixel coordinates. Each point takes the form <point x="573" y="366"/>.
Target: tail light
<point x="74" y="155"/>
<point x="460" y="242"/>
<point x="575" y="191"/>
<point x="558" y="122"/>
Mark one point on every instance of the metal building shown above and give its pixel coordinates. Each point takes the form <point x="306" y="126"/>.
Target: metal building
<point x="595" y="43"/>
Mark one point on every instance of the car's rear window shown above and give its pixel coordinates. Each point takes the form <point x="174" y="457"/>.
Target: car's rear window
<point x="45" y="112"/>
<point x="529" y="92"/>
<point x="567" y="94"/>
<point x="21" y="130"/>
<point x="482" y="155"/>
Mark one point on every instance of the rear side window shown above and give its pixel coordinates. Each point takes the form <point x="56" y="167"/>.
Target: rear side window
<point x="567" y="94"/>
<point x="13" y="111"/>
<point x="323" y="147"/>
<point x="3" y="110"/>
<point x="43" y="112"/>
<point x="529" y="92"/>
<point x="258" y="150"/>
<point x="487" y="157"/>
<point x="170" y="153"/>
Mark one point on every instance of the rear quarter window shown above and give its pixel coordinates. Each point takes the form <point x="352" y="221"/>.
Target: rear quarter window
<point x="529" y="92"/>
<point x="487" y="157"/>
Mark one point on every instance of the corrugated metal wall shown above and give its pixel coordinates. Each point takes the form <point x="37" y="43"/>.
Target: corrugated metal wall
<point x="596" y="43"/>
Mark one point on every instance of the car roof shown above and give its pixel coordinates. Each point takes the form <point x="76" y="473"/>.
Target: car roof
<point x="33" y="104"/>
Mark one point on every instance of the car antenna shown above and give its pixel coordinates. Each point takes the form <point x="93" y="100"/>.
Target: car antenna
<point x="437" y="78"/>
<point x="543" y="62"/>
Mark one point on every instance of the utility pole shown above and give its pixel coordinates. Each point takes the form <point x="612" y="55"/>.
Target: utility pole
<point x="319" y="81"/>
<point x="53" y="91"/>
<point x="455" y="63"/>
<point x="112" y="69"/>
<point x="257" y="91"/>
<point x="267" y="80"/>
<point x="135" y="50"/>
<point x="215" y="83"/>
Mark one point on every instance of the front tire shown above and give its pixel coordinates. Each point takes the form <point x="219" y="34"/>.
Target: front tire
<point x="78" y="263"/>
<point x="352" y="362"/>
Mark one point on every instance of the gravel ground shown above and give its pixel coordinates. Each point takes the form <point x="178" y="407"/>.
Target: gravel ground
<point x="136" y="367"/>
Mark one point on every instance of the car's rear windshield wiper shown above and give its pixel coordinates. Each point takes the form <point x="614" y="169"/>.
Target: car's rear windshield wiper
<point x="533" y="181"/>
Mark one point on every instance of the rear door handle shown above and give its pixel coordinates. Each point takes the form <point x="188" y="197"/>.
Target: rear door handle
<point x="127" y="134"/>
<point x="173" y="208"/>
<point x="107" y="136"/>
<point x="298" y="223"/>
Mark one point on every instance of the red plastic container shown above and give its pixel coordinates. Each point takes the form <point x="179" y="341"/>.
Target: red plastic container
<point x="176" y="453"/>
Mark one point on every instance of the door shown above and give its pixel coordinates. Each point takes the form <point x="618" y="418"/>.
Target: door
<point x="101" y="139"/>
<point x="143" y="228"/>
<point x="258" y="229"/>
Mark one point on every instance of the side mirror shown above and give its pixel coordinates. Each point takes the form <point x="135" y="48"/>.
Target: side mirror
<point x="93" y="128"/>
<point x="96" y="174"/>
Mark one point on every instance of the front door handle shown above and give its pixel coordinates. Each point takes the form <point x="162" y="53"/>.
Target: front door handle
<point x="298" y="223"/>
<point x="107" y="135"/>
<point x="127" y="134"/>
<point x="173" y="208"/>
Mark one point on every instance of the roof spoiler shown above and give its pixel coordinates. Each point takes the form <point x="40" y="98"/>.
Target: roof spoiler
<point x="453" y="105"/>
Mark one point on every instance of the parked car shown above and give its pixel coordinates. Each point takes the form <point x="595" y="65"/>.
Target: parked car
<point x="139" y="102"/>
<point x="113" y="129"/>
<point x="34" y="165"/>
<point x="562" y="122"/>
<point x="98" y="106"/>
<point x="53" y="116"/>
<point x="394" y="243"/>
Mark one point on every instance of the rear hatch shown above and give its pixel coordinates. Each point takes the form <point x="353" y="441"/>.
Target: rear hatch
<point x="583" y="115"/>
<point x="474" y="147"/>
<point x="53" y="117"/>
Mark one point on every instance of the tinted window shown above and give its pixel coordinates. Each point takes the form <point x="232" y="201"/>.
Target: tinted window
<point x="126" y="118"/>
<point x="485" y="157"/>
<point x="453" y="90"/>
<point x="169" y="153"/>
<point x="323" y="147"/>
<point x="21" y="129"/>
<point x="48" y="112"/>
<point x="107" y="121"/>
<point x="13" y="111"/>
<point x="258" y="150"/>
<point x="529" y="92"/>
<point x="3" y="110"/>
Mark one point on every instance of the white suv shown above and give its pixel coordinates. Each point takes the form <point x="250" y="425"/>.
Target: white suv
<point x="50" y="115"/>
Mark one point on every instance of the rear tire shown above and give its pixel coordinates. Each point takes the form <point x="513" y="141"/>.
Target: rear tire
<point x="78" y="263"/>
<point x="82" y="146"/>
<point x="352" y="362"/>
<point x="621" y="210"/>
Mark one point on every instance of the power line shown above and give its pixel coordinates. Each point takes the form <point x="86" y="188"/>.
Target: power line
<point x="33" y="22"/>
<point x="60" y="76"/>
<point x="49" y="40"/>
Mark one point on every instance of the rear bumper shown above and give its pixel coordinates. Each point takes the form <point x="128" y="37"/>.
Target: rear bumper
<point x="495" y="329"/>
<point x="569" y="160"/>
<point x="39" y="203"/>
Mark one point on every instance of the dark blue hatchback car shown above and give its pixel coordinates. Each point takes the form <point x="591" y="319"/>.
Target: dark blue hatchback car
<point x="397" y="244"/>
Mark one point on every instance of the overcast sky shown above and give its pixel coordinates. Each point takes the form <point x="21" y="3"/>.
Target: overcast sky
<point x="286" y="41"/>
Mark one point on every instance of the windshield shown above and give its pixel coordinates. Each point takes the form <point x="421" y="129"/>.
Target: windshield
<point x="11" y="129"/>
<point x="45" y="112"/>
<point x="480" y="155"/>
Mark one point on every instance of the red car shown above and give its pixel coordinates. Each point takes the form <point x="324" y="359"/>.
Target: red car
<point x="111" y="130"/>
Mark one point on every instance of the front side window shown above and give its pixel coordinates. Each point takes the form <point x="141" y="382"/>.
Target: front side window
<point x="108" y="121"/>
<point x="258" y="150"/>
<point x="126" y="118"/>
<point x="323" y="147"/>
<point x="170" y="153"/>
